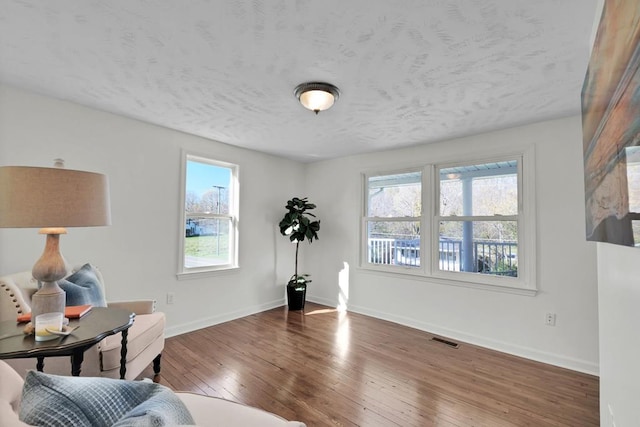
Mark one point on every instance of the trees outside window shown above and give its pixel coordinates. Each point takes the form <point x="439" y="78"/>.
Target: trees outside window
<point x="478" y="210"/>
<point x="394" y="209"/>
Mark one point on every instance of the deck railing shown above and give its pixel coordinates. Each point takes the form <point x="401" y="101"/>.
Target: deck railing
<point x="490" y="257"/>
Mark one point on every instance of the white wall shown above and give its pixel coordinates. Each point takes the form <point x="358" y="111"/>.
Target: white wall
<point x="138" y="253"/>
<point x="566" y="270"/>
<point x="619" y="307"/>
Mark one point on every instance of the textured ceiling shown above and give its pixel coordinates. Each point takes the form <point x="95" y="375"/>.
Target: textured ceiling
<point x="410" y="72"/>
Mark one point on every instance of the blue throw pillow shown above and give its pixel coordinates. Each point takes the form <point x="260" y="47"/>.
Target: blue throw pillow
<point x="52" y="400"/>
<point x="83" y="287"/>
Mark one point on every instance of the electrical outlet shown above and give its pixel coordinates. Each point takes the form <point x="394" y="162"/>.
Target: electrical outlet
<point x="170" y="297"/>
<point x="550" y="319"/>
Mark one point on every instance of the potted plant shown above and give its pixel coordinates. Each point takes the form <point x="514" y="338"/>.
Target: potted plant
<point x="298" y="226"/>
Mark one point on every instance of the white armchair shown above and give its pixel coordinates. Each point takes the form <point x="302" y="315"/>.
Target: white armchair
<point x="206" y="411"/>
<point x="145" y="340"/>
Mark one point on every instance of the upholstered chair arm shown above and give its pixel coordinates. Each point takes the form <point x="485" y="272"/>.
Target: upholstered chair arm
<point x="138" y="306"/>
<point x="15" y="294"/>
<point x="10" y="395"/>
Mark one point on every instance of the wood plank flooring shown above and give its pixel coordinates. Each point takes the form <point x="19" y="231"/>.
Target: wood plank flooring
<point x="330" y="368"/>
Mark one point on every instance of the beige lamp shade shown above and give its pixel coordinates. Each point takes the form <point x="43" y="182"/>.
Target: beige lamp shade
<point x="35" y="197"/>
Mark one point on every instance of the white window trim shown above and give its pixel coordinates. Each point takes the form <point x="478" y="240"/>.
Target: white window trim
<point x="234" y="211"/>
<point x="524" y="284"/>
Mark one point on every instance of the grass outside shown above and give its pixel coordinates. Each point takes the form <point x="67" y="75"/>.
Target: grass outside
<point x="216" y="247"/>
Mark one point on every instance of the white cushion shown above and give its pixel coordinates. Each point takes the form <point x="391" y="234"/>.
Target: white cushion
<point x="10" y="393"/>
<point x="210" y="411"/>
<point x="206" y="411"/>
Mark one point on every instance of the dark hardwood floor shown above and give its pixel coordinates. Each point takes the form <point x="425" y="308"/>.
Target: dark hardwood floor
<point x="325" y="367"/>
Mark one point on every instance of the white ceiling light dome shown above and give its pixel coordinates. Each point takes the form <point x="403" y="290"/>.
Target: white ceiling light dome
<point x="316" y="96"/>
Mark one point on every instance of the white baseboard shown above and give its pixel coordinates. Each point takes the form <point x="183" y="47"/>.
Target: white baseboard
<point x="516" y="350"/>
<point x="221" y="318"/>
<point x="323" y="301"/>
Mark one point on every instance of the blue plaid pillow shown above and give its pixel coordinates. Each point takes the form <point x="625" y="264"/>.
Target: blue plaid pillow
<point x="52" y="400"/>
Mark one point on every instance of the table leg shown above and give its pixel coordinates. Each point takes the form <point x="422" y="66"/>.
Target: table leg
<point x="123" y="354"/>
<point x="76" y="361"/>
<point x="156" y="364"/>
<point x="40" y="364"/>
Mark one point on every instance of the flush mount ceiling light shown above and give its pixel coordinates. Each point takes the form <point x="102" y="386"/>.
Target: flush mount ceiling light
<point x="316" y="96"/>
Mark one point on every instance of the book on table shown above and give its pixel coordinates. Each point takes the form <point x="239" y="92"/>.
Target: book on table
<point x="70" y="311"/>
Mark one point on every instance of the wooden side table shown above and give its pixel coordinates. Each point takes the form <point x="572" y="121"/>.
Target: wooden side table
<point x="93" y="327"/>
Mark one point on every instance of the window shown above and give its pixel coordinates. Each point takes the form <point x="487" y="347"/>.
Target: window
<point x="478" y="218"/>
<point x="210" y="215"/>
<point x="394" y="210"/>
<point x="462" y="223"/>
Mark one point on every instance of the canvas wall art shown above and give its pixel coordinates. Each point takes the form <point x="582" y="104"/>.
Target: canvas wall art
<point x="611" y="127"/>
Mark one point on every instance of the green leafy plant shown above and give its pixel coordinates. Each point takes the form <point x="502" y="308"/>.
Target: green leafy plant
<point x="298" y="225"/>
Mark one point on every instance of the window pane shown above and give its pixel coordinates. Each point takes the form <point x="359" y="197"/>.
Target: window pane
<point x="395" y="195"/>
<point x="487" y="247"/>
<point x="206" y="242"/>
<point x="207" y="188"/>
<point x="485" y="189"/>
<point x="394" y="243"/>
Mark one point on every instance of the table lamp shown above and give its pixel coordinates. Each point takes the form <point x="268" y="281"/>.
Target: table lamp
<point x="52" y="199"/>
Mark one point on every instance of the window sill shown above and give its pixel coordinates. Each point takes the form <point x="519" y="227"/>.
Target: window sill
<point x="187" y="275"/>
<point x="419" y="276"/>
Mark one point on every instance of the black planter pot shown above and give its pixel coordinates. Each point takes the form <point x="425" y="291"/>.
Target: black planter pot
<point x="296" y="297"/>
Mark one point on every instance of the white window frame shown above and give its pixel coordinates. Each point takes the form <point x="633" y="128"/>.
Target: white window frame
<point x="232" y="217"/>
<point x="524" y="284"/>
<point x="364" y="258"/>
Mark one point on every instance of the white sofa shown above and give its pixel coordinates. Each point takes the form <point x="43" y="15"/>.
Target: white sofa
<point x="206" y="411"/>
<point x="145" y="340"/>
